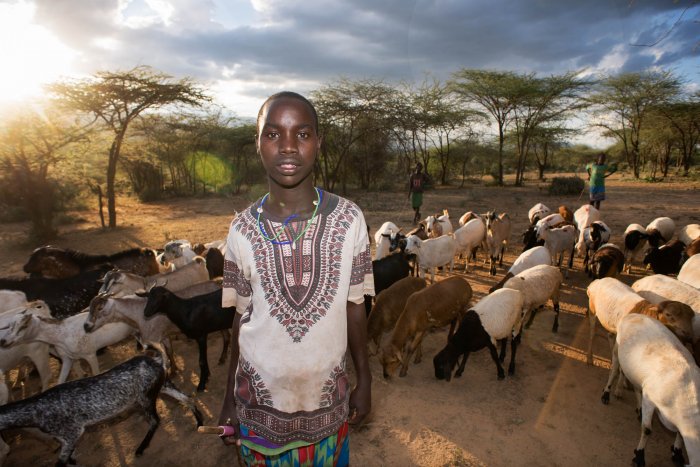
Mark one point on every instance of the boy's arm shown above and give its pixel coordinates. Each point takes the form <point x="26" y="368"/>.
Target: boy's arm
<point x="228" y="414"/>
<point x="361" y="395"/>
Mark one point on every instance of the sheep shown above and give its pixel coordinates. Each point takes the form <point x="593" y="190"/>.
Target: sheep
<point x="469" y="237"/>
<point x="178" y="253"/>
<point x="659" y="287"/>
<point x="608" y="261"/>
<point x="64" y="411"/>
<point x="690" y="272"/>
<point x="153" y="332"/>
<point x="435" y="306"/>
<point x="566" y="213"/>
<point x="432" y="253"/>
<point x="196" y="317"/>
<point x="492" y="319"/>
<point x="666" y="259"/>
<point x="537" y="212"/>
<point x="660" y="231"/>
<point x="121" y="283"/>
<point x="644" y="348"/>
<point x="37" y="352"/>
<point x="583" y="217"/>
<point x="559" y="240"/>
<point x="382" y="239"/>
<point x="526" y="260"/>
<point x="497" y="238"/>
<point x="593" y="237"/>
<point x="466" y="217"/>
<point x="538" y="285"/>
<point x="692" y="249"/>
<point x="438" y="225"/>
<point x="609" y="300"/>
<point x="689" y="233"/>
<point x="389" y="305"/>
<point x="10" y="299"/>
<point x="68" y="337"/>
<point x="635" y="239"/>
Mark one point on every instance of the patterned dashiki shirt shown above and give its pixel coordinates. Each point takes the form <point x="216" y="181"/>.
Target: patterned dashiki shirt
<point x="291" y="383"/>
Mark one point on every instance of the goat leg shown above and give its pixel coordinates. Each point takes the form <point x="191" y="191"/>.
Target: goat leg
<point x="460" y="369"/>
<point x="514" y="341"/>
<point x="502" y="354"/>
<point x="153" y="421"/>
<point x="494" y="356"/>
<point x="226" y="337"/>
<point x="203" y="364"/>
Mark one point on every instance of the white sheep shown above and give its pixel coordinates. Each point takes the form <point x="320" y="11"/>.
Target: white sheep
<point x="498" y="230"/>
<point x="67" y="336"/>
<point x="644" y="348"/>
<point x="537" y="212"/>
<point x="609" y="300"/>
<point x="469" y="237"/>
<point x="595" y="235"/>
<point x="690" y="272"/>
<point x="689" y="233"/>
<point x="538" y="285"/>
<point x="432" y="253"/>
<point x="527" y="259"/>
<point x="558" y="241"/>
<point x="494" y="318"/>
<point x="583" y="217"/>
<point x="382" y="239"/>
<point x="11" y="299"/>
<point x="635" y="239"/>
<point x="660" y="231"/>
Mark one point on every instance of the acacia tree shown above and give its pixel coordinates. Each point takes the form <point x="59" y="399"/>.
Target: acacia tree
<point x="494" y="91"/>
<point x="683" y="117"/>
<point x="116" y="99"/>
<point x="623" y="102"/>
<point x="31" y="146"/>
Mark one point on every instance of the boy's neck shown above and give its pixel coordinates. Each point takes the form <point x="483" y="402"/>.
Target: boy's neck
<point x="287" y="201"/>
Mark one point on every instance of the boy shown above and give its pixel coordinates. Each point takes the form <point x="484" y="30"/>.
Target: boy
<point x="415" y="190"/>
<point x="297" y="268"/>
<point x="596" y="179"/>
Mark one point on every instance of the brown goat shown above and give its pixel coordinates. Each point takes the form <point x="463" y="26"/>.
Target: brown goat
<point x="57" y="263"/>
<point x="608" y="261"/>
<point x="566" y="213"/>
<point x="693" y="248"/>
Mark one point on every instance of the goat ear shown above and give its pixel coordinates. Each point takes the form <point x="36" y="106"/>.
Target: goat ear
<point x="141" y="293"/>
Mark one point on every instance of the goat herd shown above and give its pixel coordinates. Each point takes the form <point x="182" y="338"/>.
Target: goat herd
<point x="72" y="305"/>
<point x="653" y="321"/>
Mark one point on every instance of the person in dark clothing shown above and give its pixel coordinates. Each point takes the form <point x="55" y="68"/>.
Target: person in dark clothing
<point x="416" y="185"/>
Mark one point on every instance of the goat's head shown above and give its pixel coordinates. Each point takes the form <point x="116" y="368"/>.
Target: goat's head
<point x="99" y="313"/>
<point x="17" y="329"/>
<point x="679" y="317"/>
<point x="444" y="363"/>
<point x="156" y="299"/>
<point x="391" y="359"/>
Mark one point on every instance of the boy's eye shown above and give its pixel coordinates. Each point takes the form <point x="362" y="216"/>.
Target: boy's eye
<point x="303" y="135"/>
<point x="272" y="134"/>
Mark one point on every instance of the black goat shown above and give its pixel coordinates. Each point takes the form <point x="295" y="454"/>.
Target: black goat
<point x="196" y="317"/>
<point x="57" y="263"/>
<point x="65" y="297"/>
<point x="666" y="259"/>
<point x="65" y="410"/>
<point x="530" y="239"/>
<point x="386" y="271"/>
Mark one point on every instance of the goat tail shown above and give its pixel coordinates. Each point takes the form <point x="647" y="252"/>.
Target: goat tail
<point x="169" y="389"/>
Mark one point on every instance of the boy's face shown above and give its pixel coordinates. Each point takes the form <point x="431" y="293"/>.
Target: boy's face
<point x="287" y="141"/>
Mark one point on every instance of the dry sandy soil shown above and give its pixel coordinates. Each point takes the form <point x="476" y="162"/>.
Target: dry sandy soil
<point x="549" y="413"/>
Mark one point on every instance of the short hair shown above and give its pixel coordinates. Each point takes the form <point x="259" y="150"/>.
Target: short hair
<point x="290" y="95"/>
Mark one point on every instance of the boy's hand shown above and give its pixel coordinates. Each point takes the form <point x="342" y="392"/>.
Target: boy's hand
<point x="229" y="416"/>
<point x="360" y="405"/>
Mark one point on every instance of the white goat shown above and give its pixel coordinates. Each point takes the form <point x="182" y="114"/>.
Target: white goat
<point x="469" y="237"/>
<point x="432" y="253"/>
<point x="538" y="285"/>
<point x="178" y="253"/>
<point x="497" y="237"/>
<point x="549" y="221"/>
<point x="635" y="239"/>
<point x="644" y="348"/>
<point x="11" y="299"/>
<point x="583" y="217"/>
<point x="527" y="259"/>
<point x="558" y="241"/>
<point x="67" y="336"/>
<point x="438" y="226"/>
<point x="382" y="239"/>
<point x="121" y="283"/>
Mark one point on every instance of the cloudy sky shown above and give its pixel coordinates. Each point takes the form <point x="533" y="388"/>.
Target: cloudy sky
<point x="244" y="50"/>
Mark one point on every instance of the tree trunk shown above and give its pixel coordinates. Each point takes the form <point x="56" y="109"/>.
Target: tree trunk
<point x="111" y="175"/>
<point x="500" y="154"/>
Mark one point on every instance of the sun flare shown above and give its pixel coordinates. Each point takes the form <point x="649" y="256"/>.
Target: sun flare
<point x="31" y="56"/>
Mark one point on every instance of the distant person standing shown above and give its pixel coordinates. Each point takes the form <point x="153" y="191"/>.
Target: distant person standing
<point x="597" y="173"/>
<point x="416" y="185"/>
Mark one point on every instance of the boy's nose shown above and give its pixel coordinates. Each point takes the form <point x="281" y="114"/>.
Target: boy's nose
<point x="288" y="143"/>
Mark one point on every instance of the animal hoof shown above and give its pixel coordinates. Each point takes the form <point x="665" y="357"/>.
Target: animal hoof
<point x="201" y="388"/>
<point x="555" y="327"/>
<point x="605" y="398"/>
<point x="677" y="456"/>
<point x="501" y="376"/>
<point x="638" y="458"/>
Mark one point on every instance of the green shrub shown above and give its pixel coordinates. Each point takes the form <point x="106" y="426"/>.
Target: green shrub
<point x="562" y="186"/>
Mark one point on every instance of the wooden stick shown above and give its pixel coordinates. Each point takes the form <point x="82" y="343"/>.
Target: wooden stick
<point x="211" y="430"/>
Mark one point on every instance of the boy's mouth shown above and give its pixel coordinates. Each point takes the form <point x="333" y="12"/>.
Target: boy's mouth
<point x="288" y="168"/>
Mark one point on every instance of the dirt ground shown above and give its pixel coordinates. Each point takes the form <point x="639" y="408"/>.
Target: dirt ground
<point x="548" y="414"/>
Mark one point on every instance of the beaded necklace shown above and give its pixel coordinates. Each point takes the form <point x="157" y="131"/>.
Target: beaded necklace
<point x="293" y="241"/>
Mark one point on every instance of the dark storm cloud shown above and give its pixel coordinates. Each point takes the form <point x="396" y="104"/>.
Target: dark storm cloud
<point x="392" y="40"/>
